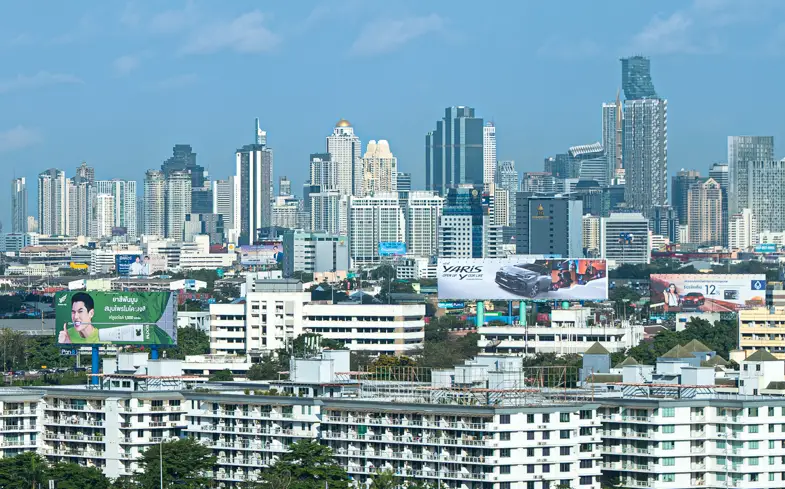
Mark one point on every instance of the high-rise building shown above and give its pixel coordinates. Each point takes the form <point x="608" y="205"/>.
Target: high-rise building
<point x="103" y="216"/>
<point x="612" y="128"/>
<point x="500" y="205"/>
<point x="372" y="220"/>
<point x="680" y="187"/>
<point x="86" y="173"/>
<point x="742" y="231"/>
<point x="211" y="225"/>
<point x="466" y="229"/>
<point x="488" y="153"/>
<point x="589" y="162"/>
<point x="345" y="150"/>
<point x="646" y="153"/>
<point x="253" y="190"/>
<point x="507" y="178"/>
<point x="624" y="238"/>
<point x="327" y="210"/>
<point x="140" y="215"/>
<point x="285" y="212"/>
<point x="155" y="204"/>
<point x="223" y="205"/>
<point x="704" y="213"/>
<point x="178" y="202"/>
<point x="323" y="172"/>
<point x="423" y="212"/>
<point x="538" y="182"/>
<point x="741" y="149"/>
<point x="81" y="212"/>
<point x="760" y="187"/>
<point x="719" y="172"/>
<point x="284" y="186"/>
<point x="314" y="252"/>
<point x="454" y="152"/>
<point x="184" y="159"/>
<point x="550" y="226"/>
<point x="403" y="181"/>
<point x="52" y="203"/>
<point x="380" y="169"/>
<point x="202" y="199"/>
<point x="591" y="236"/>
<point x="124" y="201"/>
<point x="664" y="221"/>
<point x="18" y="205"/>
<point x="636" y="78"/>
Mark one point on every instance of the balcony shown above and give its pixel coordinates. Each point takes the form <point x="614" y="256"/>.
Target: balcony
<point x="408" y="455"/>
<point x="74" y="421"/>
<point x="428" y="440"/>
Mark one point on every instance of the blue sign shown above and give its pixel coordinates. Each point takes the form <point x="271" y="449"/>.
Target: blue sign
<point x="766" y="248"/>
<point x="133" y="265"/>
<point x="68" y="352"/>
<point x="219" y="272"/>
<point x="758" y="285"/>
<point x="452" y="305"/>
<point x="392" y="248"/>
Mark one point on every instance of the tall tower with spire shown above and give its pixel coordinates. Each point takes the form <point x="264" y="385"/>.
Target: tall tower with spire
<point x="261" y="136"/>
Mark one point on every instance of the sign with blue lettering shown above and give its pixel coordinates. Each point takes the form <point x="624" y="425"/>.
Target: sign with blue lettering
<point x="66" y="352"/>
<point x="758" y="285"/>
<point x="766" y="248"/>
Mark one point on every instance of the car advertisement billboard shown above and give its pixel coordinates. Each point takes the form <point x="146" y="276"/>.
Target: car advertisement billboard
<point x="392" y="248"/>
<point x="528" y="277"/>
<point x="267" y="253"/>
<point x="116" y="318"/>
<point x="132" y="265"/>
<point x="706" y="292"/>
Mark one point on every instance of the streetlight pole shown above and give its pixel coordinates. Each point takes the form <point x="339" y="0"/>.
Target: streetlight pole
<point x="161" y="461"/>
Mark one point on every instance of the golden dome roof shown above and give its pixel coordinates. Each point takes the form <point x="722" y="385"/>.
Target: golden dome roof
<point x="343" y="123"/>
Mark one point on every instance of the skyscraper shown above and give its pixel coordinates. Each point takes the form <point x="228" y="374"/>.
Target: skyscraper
<point x="123" y="194"/>
<point x="612" y="126"/>
<point x="86" y="173"/>
<point x="549" y="225"/>
<point x="223" y="204"/>
<point x="81" y="214"/>
<point x="465" y="227"/>
<point x="403" y="181"/>
<point x="589" y="163"/>
<point x="178" y="202"/>
<point x="719" y="172"/>
<point x="636" y="78"/>
<point x="284" y="186"/>
<point x="704" y="213"/>
<point x="323" y="171"/>
<point x="184" y="159"/>
<point x="104" y="217"/>
<point x="423" y="212"/>
<point x="742" y="230"/>
<point x="253" y="189"/>
<point x="507" y="179"/>
<point x="761" y="188"/>
<point x="18" y="205"/>
<point x="624" y="238"/>
<point x="680" y="187"/>
<point x="373" y="219"/>
<point x="740" y="149"/>
<point x="155" y="203"/>
<point x="488" y="153"/>
<point x="52" y="203"/>
<point x="380" y="169"/>
<point x="345" y="150"/>
<point x="454" y="152"/>
<point x="645" y="138"/>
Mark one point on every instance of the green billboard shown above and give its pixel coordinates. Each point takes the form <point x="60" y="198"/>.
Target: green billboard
<point x="115" y="318"/>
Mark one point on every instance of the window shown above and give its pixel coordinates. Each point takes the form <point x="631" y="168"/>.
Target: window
<point x="586" y="447"/>
<point x="753" y="445"/>
<point x="505" y="453"/>
<point x="668" y="412"/>
<point x="753" y="428"/>
<point x="564" y="467"/>
<point x="771" y="411"/>
<point x="530" y="418"/>
<point x="546" y="452"/>
<point x="546" y="435"/>
<point x="585" y="431"/>
<point x="771" y="444"/>
<point x="586" y="464"/>
<point x="752" y="412"/>
<point x="720" y="477"/>
<point x="530" y="435"/>
<point x="530" y="485"/>
<point x="504" y="436"/>
<point x="504" y="469"/>
<point x="772" y="460"/>
<point x="546" y="468"/>
<point x="771" y="476"/>
<point x="564" y="417"/>
<point x="586" y="414"/>
<point x="722" y="461"/>
<point x="530" y="469"/>
<point x="564" y="451"/>
<point x="668" y="477"/>
<point x="529" y="452"/>
<point x="753" y="460"/>
<point x="504" y="419"/>
<point x="564" y="434"/>
<point x="754" y="477"/>
<point x="668" y="461"/>
<point x="668" y="428"/>
<point x="585" y="480"/>
<point x="668" y="445"/>
<point x="546" y="418"/>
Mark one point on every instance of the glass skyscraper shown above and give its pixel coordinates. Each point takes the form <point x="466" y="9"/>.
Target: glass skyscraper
<point x="636" y="78"/>
<point x="454" y="151"/>
<point x="743" y="149"/>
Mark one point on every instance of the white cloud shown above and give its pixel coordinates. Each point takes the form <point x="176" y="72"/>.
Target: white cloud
<point x="243" y="34"/>
<point x="124" y="65"/>
<point x="387" y="35"/>
<point x="176" y="81"/>
<point x="40" y="79"/>
<point x="667" y="35"/>
<point x="173" y="21"/>
<point x="18" y="138"/>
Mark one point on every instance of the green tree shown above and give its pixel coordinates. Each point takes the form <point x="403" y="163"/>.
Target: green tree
<point x="224" y="375"/>
<point x="13" y="345"/>
<point x="190" y="305"/>
<point x="24" y="471"/>
<point x="309" y="464"/>
<point x="267" y="369"/>
<point x="385" y="480"/>
<point x="125" y="482"/>
<point x="190" y="341"/>
<point x="184" y="465"/>
<point x="75" y="476"/>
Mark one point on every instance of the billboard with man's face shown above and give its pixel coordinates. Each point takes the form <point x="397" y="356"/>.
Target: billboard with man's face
<point x="116" y="318"/>
<point x="127" y="265"/>
<point x="524" y="277"/>
<point x="707" y="292"/>
<point x="268" y="253"/>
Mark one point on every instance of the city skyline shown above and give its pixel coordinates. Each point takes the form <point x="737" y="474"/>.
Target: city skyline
<point x="140" y="78"/>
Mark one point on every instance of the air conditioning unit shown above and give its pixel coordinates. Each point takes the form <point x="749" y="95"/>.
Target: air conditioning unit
<point x="541" y="443"/>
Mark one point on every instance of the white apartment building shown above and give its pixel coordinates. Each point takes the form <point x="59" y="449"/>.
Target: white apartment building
<point x="568" y="332"/>
<point x="422" y="223"/>
<point x="591" y="235"/>
<point x="624" y="238"/>
<point x="380" y="169"/>
<point x="104" y="217"/>
<point x="346" y="148"/>
<point x="223" y="205"/>
<point x="328" y="211"/>
<point x="227" y="329"/>
<point x="178" y="203"/>
<point x="391" y="329"/>
<point x="285" y="212"/>
<point x="124" y="202"/>
<point x="501" y="207"/>
<point x="155" y="204"/>
<point x="372" y="220"/>
<point x="314" y="252"/>
<point x="742" y="230"/>
<point x="488" y="153"/>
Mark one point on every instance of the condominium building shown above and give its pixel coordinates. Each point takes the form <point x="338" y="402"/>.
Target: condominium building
<point x="18" y="205"/>
<point x="315" y="252"/>
<point x="538" y="182"/>
<point x="253" y="192"/>
<point x="373" y="220"/>
<point x="423" y="213"/>
<point x="549" y="225"/>
<point x="466" y="229"/>
<point x="454" y="152"/>
<point x="81" y="195"/>
<point x="103" y="216"/>
<point x="762" y="329"/>
<point x="380" y="169"/>
<point x="745" y="149"/>
<point x="345" y="151"/>
<point x="155" y="204"/>
<point x="52" y="203"/>
<point x="704" y="213"/>
<point x="329" y="210"/>
<point x="223" y="205"/>
<point x="286" y="211"/>
<point x="488" y="154"/>
<point x="624" y="238"/>
<point x="124" y="201"/>
<point x="591" y="236"/>
<point x="742" y="230"/>
<point x="761" y="188"/>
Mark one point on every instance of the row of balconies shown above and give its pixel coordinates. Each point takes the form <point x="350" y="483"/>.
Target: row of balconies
<point x="430" y="440"/>
<point x="424" y="423"/>
<point x="252" y="430"/>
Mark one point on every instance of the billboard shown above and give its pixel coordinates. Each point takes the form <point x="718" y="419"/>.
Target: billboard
<point x="132" y="265"/>
<point x="267" y="253"/>
<point x="392" y="248"/>
<point x="528" y="277"/>
<point x="117" y="318"/>
<point x="707" y="293"/>
<point x="451" y="305"/>
<point x="766" y="248"/>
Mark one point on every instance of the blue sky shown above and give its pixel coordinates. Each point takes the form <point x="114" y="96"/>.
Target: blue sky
<point x="118" y="84"/>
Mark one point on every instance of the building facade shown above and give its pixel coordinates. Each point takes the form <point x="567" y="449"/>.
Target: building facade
<point x="423" y="214"/>
<point x="380" y="169"/>
<point x="52" y="203"/>
<point x="744" y="149"/>
<point x="155" y="204"/>
<point x="625" y="238"/>
<point x="253" y="195"/>
<point x="314" y="252"/>
<point x="372" y="220"/>
<point x="454" y="153"/>
<point x="488" y="154"/>
<point x="549" y="226"/>
<point x="742" y="230"/>
<point x="704" y="213"/>
<point x="760" y="187"/>
<point x="18" y="205"/>
<point x="178" y="203"/>
<point x="646" y="153"/>
<point x="345" y="150"/>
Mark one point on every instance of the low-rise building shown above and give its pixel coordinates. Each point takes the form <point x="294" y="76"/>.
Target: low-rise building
<point x="762" y="329"/>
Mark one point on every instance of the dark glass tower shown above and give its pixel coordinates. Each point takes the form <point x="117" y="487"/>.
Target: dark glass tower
<point x="636" y="78"/>
<point x="454" y="151"/>
<point x="467" y="201"/>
